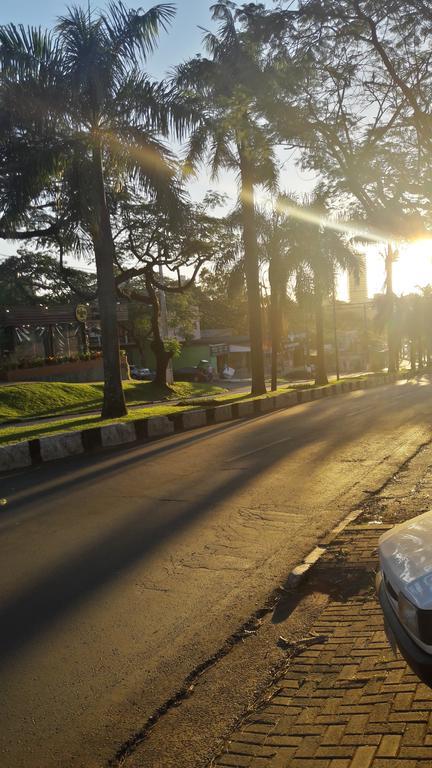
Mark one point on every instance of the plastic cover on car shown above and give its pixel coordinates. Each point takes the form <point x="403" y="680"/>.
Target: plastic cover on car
<point x="406" y="558"/>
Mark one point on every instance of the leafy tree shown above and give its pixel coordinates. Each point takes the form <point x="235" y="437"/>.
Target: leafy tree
<point x="151" y="239"/>
<point x="182" y="315"/>
<point x="79" y="118"/>
<point x="411" y="309"/>
<point x="359" y="133"/>
<point x="32" y="276"/>
<point x="387" y="40"/>
<point x="276" y="240"/>
<point x="182" y="312"/>
<point x="426" y="321"/>
<point x="222" y="301"/>
<point x="410" y="322"/>
<point x="233" y="134"/>
<point x="138" y="327"/>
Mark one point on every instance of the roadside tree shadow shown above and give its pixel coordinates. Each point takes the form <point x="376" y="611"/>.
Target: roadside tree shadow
<point x="59" y="590"/>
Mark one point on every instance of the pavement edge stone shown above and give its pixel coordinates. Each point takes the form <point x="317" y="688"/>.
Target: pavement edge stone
<point x="32" y="452"/>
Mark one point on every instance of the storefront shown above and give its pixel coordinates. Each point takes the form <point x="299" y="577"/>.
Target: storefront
<point x="42" y="332"/>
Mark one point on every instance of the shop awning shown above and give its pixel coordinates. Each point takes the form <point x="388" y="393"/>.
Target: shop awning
<point x="238" y="348"/>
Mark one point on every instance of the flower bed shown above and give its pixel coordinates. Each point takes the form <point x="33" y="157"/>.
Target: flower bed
<point x="39" y="362"/>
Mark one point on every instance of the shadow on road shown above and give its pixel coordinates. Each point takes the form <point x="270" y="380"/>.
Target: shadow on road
<point x="59" y="590"/>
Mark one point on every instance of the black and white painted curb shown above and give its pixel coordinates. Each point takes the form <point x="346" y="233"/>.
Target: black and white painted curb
<point x="43" y="449"/>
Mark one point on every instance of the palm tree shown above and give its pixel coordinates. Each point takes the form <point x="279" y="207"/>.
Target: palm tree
<point x="410" y="311"/>
<point x="426" y="297"/>
<point x="79" y="117"/>
<point x="275" y="240"/>
<point x="393" y="340"/>
<point x="233" y="135"/>
<point x="390" y="314"/>
<point x="320" y="251"/>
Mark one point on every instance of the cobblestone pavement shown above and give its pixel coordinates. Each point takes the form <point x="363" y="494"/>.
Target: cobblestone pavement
<point x="344" y="700"/>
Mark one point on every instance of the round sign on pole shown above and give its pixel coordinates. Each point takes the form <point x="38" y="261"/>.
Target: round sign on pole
<point x="81" y="313"/>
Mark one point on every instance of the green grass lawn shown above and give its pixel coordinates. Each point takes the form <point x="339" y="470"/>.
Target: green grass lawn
<point x="31" y="400"/>
<point x="13" y="433"/>
<point x="49" y="398"/>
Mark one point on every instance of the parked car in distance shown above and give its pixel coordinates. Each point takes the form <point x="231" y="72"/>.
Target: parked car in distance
<point x="297" y="374"/>
<point x="404" y="586"/>
<point x="142" y="374"/>
<point x="192" y="373"/>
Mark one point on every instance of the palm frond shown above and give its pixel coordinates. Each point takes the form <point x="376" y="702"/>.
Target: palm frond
<point x="220" y="152"/>
<point x="29" y="52"/>
<point x="159" y="105"/>
<point x="140" y="101"/>
<point x="143" y="159"/>
<point x="194" y="76"/>
<point x="197" y="147"/>
<point x="226" y="41"/>
<point x="130" y="31"/>
<point x="28" y="170"/>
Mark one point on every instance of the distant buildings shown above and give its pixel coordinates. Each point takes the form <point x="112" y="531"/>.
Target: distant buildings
<point x="357" y="284"/>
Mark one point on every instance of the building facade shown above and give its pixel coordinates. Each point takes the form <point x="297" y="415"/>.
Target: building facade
<point x="357" y="284"/>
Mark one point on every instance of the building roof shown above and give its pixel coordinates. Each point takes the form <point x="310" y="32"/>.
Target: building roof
<point x="52" y="315"/>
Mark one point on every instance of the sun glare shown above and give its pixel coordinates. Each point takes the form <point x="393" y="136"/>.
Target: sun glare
<point x="413" y="269"/>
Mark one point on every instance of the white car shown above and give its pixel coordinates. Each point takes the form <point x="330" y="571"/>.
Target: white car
<point x="143" y="374"/>
<point x="404" y="586"/>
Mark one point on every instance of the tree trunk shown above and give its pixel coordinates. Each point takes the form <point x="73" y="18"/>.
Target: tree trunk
<point x="321" y="372"/>
<point x="157" y="345"/>
<point x="412" y="356"/>
<point x="274" y="321"/>
<point x="420" y="353"/>
<point x="141" y="350"/>
<point x="114" y="404"/>
<point x="252" y="277"/>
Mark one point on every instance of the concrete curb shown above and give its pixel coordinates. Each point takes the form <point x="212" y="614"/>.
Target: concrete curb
<point x="32" y="452"/>
<point x="302" y="569"/>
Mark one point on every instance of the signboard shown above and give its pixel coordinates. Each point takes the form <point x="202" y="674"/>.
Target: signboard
<point x="81" y="313"/>
<point x="218" y="349"/>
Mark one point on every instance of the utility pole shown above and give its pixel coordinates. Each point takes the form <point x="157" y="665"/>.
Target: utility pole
<point x="165" y="331"/>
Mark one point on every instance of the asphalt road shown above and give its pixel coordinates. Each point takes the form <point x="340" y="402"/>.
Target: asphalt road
<point x="120" y="573"/>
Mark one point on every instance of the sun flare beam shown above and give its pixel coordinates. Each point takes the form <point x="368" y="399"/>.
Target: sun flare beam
<point x="349" y="228"/>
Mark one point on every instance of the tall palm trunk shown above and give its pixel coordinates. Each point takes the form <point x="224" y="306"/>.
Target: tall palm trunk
<point x="157" y="345"/>
<point x="252" y="276"/>
<point x="114" y="404"/>
<point x="392" y="343"/>
<point x="420" y="353"/>
<point x="274" y="320"/>
<point x="412" y="356"/>
<point x="321" y="371"/>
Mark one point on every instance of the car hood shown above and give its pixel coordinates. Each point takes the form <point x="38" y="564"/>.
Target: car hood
<point x="406" y="559"/>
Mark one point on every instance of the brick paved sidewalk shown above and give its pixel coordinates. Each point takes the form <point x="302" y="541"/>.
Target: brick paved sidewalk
<point x="344" y="701"/>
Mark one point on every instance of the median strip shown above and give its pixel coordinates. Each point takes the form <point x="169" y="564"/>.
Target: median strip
<point x="25" y="453"/>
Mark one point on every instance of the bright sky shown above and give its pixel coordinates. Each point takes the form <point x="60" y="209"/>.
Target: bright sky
<point x="414" y="267"/>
